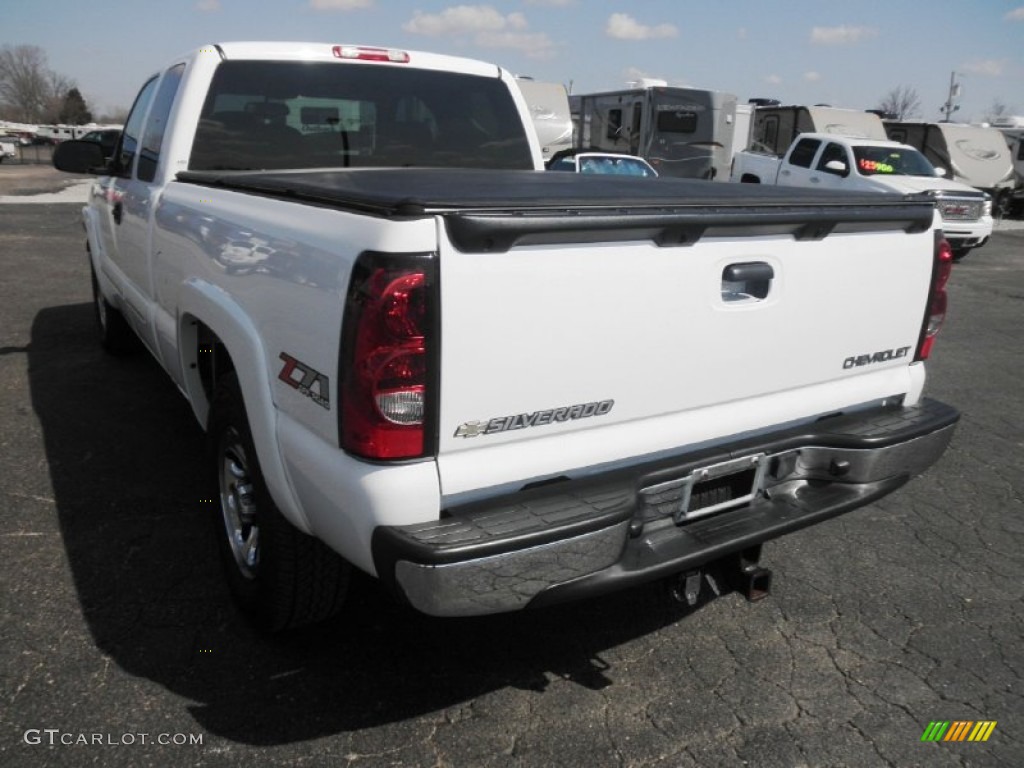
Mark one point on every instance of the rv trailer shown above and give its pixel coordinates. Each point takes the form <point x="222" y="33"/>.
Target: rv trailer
<point x="549" y="111"/>
<point x="684" y="132"/>
<point x="973" y="154"/>
<point x="774" y="127"/>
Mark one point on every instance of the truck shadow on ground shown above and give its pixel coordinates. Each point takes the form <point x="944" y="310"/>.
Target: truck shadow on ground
<point x="126" y="461"/>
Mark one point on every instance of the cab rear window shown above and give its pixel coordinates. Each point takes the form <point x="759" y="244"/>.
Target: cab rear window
<point x="276" y="115"/>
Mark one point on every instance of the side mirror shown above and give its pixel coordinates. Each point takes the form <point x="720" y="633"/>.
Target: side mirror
<point x="940" y="171"/>
<point x="836" y="166"/>
<point x="80" y="157"/>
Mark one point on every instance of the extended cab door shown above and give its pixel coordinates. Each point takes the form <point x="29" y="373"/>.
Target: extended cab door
<point x="132" y="194"/>
<point x="827" y="168"/>
<point x="796" y="169"/>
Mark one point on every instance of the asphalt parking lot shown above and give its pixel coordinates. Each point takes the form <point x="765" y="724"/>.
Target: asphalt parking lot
<point x="120" y="648"/>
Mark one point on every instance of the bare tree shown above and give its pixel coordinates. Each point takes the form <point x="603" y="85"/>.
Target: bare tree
<point x="30" y="91"/>
<point x="998" y="112"/>
<point x="902" y="102"/>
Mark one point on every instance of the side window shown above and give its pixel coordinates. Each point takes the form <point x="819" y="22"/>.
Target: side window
<point x="149" y="155"/>
<point x="132" y="129"/>
<point x="834" y="152"/>
<point x="770" y="133"/>
<point x="677" y="121"/>
<point x="803" y="153"/>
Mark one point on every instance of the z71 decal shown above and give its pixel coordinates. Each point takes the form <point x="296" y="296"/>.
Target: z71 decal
<point x="307" y="381"/>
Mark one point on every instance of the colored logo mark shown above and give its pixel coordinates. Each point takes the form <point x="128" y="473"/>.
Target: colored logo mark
<point x="958" y="730"/>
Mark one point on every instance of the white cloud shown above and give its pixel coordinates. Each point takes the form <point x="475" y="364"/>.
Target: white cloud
<point x="533" y="45"/>
<point x="741" y="33"/>
<point x="552" y="3"/>
<point x="812" y="77"/>
<point x="339" y="5"/>
<point x="1017" y="14"/>
<point x="773" y="79"/>
<point x="841" y="35"/>
<point x="208" y="6"/>
<point x="986" y="67"/>
<point x="461" y="20"/>
<point x="485" y="27"/>
<point x="622" y="26"/>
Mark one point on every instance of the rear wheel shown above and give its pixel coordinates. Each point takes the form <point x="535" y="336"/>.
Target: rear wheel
<point x="1003" y="205"/>
<point x="116" y="335"/>
<point x="279" y="576"/>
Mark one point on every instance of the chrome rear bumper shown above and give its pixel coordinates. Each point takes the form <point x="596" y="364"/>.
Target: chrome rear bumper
<point x="578" y="538"/>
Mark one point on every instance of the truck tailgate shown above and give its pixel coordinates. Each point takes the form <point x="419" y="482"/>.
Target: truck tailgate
<point x="703" y="325"/>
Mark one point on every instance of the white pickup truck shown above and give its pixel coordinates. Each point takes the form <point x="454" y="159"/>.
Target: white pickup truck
<point x="828" y="161"/>
<point x="417" y="354"/>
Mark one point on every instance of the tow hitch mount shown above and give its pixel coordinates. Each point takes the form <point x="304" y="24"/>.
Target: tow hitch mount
<point x="741" y="572"/>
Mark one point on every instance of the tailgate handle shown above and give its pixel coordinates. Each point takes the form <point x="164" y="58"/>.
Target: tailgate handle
<point x="751" y="280"/>
<point x="748" y="271"/>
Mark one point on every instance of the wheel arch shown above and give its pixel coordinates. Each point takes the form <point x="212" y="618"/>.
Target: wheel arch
<point x="217" y="336"/>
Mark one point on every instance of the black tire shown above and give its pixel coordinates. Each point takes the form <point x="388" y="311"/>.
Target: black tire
<point x="959" y="253"/>
<point x="116" y="336"/>
<point x="1002" y="206"/>
<point x="280" y="577"/>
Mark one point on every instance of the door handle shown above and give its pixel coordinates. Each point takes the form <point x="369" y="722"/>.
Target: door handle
<point x="748" y="271"/>
<point x="118" y="212"/>
<point x="747" y="281"/>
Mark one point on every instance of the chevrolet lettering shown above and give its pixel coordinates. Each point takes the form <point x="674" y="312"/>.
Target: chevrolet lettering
<point x="877" y="357"/>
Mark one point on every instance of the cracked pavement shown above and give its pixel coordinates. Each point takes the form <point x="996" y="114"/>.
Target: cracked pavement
<point x="115" y="619"/>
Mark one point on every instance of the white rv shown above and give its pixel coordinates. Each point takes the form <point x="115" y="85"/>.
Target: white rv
<point x="549" y="109"/>
<point x="774" y="127"/>
<point x="1012" y="129"/>
<point x="684" y="132"/>
<point x="972" y="154"/>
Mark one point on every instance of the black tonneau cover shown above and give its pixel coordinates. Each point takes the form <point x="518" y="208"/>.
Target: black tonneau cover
<point x="494" y="210"/>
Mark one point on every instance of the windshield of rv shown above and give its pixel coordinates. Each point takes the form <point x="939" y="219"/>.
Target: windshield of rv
<point x="890" y="161"/>
<point x="281" y="114"/>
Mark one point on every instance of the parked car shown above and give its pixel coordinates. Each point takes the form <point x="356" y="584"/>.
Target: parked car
<point x="601" y="162"/>
<point x="106" y="138"/>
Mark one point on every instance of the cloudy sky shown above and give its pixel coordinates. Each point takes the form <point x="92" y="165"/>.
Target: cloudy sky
<point x="847" y="54"/>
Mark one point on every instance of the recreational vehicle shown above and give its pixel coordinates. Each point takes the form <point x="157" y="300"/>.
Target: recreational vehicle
<point x="549" y="110"/>
<point x="1012" y="129"/>
<point x="972" y="154"/>
<point x="680" y="131"/>
<point x="775" y="127"/>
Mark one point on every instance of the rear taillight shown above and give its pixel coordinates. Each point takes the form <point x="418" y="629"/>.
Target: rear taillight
<point x="935" y="313"/>
<point x="387" y="357"/>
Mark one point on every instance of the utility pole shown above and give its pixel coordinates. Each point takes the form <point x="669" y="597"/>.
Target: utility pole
<point x="954" y="93"/>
